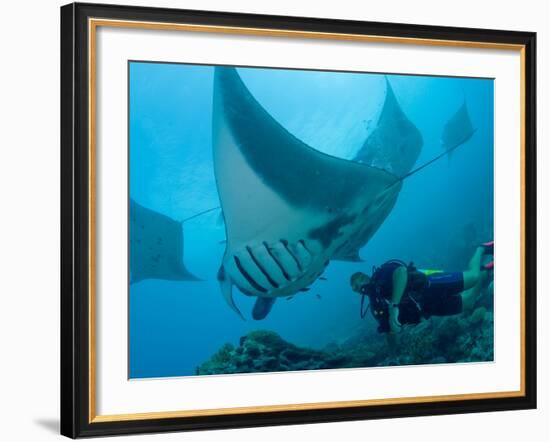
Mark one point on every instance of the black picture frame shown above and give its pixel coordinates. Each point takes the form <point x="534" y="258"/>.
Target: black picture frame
<point x="75" y="221"/>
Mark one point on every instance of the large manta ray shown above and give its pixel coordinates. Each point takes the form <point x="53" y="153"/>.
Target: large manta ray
<point x="288" y="208"/>
<point x="156" y="246"/>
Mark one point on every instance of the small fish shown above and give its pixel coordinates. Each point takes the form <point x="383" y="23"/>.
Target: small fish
<point x="322" y="278"/>
<point x="305" y="289"/>
<point x="289" y="298"/>
<point x="318" y="296"/>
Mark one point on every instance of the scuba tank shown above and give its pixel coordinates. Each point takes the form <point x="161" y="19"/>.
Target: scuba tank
<point x="379" y="292"/>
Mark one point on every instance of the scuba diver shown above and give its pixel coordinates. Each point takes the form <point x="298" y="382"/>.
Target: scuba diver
<point x="400" y="294"/>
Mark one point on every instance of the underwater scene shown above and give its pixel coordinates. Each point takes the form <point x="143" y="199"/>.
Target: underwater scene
<point x="286" y="219"/>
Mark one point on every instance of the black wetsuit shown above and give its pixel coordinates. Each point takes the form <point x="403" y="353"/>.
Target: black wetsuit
<point x="434" y="294"/>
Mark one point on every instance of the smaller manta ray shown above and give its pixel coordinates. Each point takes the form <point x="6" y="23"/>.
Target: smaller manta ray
<point x="394" y="145"/>
<point x="458" y="130"/>
<point x="156" y="246"/>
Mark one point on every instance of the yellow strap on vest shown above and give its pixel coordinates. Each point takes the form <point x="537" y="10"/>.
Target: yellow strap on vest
<point x="429" y="272"/>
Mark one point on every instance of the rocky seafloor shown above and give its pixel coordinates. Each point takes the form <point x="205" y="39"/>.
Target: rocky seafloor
<point x="459" y="338"/>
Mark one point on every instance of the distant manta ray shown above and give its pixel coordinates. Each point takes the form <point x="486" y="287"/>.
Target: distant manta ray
<point x="394" y="145"/>
<point x="156" y="246"/>
<point x="458" y="130"/>
<point x="288" y="208"/>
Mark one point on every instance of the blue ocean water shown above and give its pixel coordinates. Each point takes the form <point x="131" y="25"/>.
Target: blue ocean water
<point x="441" y="211"/>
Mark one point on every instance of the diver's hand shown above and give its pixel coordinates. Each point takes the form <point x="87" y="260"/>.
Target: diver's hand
<point x="395" y="325"/>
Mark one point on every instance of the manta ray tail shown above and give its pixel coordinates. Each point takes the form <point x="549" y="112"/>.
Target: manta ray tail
<point x="437" y="157"/>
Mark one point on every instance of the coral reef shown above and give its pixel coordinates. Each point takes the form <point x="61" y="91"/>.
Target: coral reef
<point x="459" y="338"/>
<point x="263" y="350"/>
<point x="444" y="340"/>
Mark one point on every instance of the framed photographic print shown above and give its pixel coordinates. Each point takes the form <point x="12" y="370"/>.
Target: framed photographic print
<point x="278" y="220"/>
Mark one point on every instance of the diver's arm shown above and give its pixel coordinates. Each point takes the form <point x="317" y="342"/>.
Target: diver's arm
<point x="399" y="283"/>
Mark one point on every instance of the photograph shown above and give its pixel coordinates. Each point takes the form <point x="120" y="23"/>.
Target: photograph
<point x="289" y="219"/>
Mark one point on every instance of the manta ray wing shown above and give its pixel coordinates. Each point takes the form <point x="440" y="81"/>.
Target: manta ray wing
<point x="287" y="207"/>
<point x="156" y="246"/>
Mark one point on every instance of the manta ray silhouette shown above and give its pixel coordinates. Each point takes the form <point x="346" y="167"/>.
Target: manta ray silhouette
<point x="458" y="130"/>
<point x="394" y="145"/>
<point x="156" y="246"/>
<point x="288" y="208"/>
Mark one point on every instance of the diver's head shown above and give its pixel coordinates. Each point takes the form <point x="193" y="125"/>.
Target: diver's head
<point x="358" y="280"/>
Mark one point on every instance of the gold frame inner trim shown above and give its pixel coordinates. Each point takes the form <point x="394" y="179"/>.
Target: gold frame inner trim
<point x="93" y="24"/>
